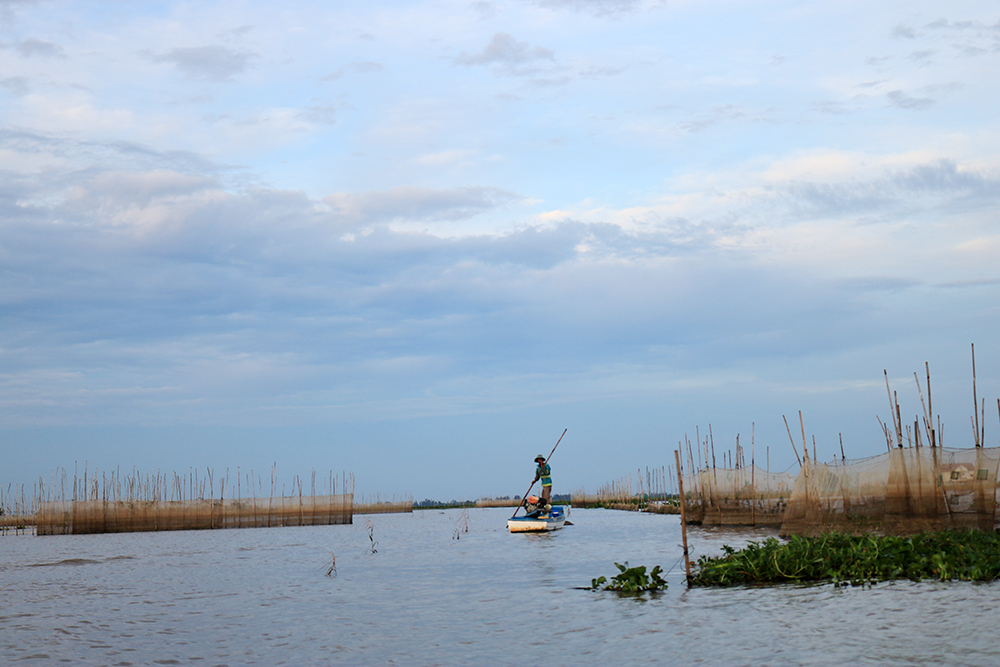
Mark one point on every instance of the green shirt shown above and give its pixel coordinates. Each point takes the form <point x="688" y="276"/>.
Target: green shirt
<point x="544" y="473"/>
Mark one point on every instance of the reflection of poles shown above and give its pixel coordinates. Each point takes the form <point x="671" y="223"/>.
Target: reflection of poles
<point x="684" y="533"/>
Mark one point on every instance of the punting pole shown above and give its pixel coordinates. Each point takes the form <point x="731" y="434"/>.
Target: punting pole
<point x="684" y="532"/>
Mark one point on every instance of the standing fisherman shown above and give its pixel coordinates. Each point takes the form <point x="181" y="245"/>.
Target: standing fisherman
<point x="544" y="472"/>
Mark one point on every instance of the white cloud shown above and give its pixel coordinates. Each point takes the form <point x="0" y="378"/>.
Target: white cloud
<point x="686" y="217"/>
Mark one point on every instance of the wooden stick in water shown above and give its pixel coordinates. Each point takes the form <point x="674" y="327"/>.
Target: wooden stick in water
<point x="753" y="483"/>
<point x="684" y="532"/>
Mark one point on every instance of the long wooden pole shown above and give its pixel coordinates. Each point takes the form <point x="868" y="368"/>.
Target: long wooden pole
<point x="930" y="408"/>
<point x="753" y="483"/>
<point x="792" y="440"/>
<point x="525" y="496"/>
<point x="975" y="400"/>
<point x="684" y="532"/>
<point x="892" y="411"/>
<point x="928" y="426"/>
<point x="805" y="447"/>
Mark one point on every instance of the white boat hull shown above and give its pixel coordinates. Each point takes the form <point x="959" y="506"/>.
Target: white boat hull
<point x="525" y="524"/>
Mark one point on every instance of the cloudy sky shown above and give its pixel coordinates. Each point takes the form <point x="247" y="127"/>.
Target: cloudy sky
<point x="416" y="240"/>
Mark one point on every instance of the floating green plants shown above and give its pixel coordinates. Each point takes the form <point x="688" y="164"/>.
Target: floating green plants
<point x="971" y="555"/>
<point x="631" y="580"/>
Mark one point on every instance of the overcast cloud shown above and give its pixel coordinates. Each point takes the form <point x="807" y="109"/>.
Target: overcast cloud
<point x="331" y="235"/>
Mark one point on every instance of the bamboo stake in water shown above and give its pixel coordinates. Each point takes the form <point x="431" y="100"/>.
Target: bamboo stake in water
<point x="684" y="532"/>
<point x="753" y="483"/>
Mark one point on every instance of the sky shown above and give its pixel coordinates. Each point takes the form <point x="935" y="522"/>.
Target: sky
<point x="414" y="241"/>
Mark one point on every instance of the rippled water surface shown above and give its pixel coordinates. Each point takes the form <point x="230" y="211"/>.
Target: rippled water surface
<point x="263" y="597"/>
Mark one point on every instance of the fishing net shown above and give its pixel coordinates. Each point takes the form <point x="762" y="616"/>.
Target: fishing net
<point x="745" y="496"/>
<point x="119" y="516"/>
<point x="904" y="491"/>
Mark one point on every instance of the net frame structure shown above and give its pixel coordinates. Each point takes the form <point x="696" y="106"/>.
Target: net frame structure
<point x="744" y="496"/>
<point x="112" y="503"/>
<point x="79" y="517"/>
<point x="901" y="492"/>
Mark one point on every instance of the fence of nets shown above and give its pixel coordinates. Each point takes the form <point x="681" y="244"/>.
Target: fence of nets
<point x="904" y="491"/>
<point x="112" y="503"/>
<point x="744" y="496"/>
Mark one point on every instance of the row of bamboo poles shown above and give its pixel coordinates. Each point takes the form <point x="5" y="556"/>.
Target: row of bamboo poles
<point x="734" y="491"/>
<point x="18" y="507"/>
<point x="652" y="489"/>
<point x="96" y="502"/>
<point x="733" y="484"/>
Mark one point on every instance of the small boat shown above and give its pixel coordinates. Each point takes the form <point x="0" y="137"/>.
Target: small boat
<point x="539" y="523"/>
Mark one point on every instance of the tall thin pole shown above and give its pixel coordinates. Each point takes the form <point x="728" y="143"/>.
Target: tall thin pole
<point x="792" y="440"/>
<point x="975" y="400"/>
<point x="753" y="481"/>
<point x="930" y="409"/>
<point x="892" y="411"/>
<point x="805" y="447"/>
<point x="684" y="532"/>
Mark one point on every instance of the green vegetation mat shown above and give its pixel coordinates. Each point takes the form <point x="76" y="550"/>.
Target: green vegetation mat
<point x="971" y="555"/>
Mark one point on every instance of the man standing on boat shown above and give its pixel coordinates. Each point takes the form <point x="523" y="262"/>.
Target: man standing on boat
<point x="544" y="472"/>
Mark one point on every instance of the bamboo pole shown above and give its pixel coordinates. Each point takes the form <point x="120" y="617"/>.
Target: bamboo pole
<point x="684" y="533"/>
<point x="928" y="426"/>
<point x="930" y="408"/>
<point x="792" y="440"/>
<point x="899" y="421"/>
<point x="753" y="480"/>
<point x="982" y="426"/>
<point x="892" y="412"/>
<point x="975" y="400"/>
<point x="805" y="447"/>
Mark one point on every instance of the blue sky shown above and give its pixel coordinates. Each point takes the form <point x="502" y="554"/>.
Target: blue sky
<point x="416" y="240"/>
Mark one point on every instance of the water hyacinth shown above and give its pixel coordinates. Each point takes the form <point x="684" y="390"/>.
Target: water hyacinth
<point x="631" y="580"/>
<point x="971" y="555"/>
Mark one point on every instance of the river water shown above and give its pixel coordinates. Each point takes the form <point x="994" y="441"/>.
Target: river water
<point x="420" y="589"/>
